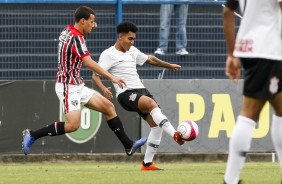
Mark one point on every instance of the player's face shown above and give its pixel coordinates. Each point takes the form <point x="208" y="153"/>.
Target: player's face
<point x="126" y="40"/>
<point x="89" y="24"/>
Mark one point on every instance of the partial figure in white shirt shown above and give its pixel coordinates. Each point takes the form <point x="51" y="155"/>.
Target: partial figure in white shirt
<point x="258" y="49"/>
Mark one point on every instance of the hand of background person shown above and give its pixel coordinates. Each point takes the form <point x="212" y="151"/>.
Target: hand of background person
<point x="233" y="68"/>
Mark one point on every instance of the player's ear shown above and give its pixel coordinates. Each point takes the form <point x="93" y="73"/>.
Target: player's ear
<point x="120" y="35"/>
<point x="82" y="20"/>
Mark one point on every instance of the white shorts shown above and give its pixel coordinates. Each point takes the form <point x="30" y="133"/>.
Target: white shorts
<point x="73" y="96"/>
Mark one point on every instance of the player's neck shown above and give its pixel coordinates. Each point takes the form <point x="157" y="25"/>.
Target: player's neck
<point x="119" y="48"/>
<point x="78" y="27"/>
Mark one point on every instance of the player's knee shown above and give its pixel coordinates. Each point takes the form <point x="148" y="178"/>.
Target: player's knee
<point x="110" y="109"/>
<point x="152" y="104"/>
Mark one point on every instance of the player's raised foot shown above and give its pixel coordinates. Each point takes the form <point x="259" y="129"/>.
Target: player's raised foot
<point x="136" y="144"/>
<point x="178" y="138"/>
<point x="28" y="140"/>
<point x="150" y="167"/>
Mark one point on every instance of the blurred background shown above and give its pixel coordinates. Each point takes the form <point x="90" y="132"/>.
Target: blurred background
<point x="29" y="30"/>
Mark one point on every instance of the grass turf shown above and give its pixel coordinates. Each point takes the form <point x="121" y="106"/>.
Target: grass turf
<point x="129" y="173"/>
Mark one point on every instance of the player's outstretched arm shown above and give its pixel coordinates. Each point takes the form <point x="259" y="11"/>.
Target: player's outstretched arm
<point x="152" y="60"/>
<point x="92" y="65"/>
<point x="105" y="90"/>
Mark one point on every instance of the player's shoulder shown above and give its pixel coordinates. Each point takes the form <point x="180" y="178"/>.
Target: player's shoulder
<point x="133" y="49"/>
<point x="108" y="51"/>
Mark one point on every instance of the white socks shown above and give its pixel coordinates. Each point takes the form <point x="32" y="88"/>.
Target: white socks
<point x="161" y="120"/>
<point x="153" y="143"/>
<point x="155" y="135"/>
<point x="276" y="136"/>
<point x="239" y="145"/>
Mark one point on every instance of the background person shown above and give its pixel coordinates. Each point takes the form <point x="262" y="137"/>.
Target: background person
<point x="166" y="13"/>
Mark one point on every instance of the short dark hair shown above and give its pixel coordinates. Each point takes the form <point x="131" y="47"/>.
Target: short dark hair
<point x="83" y="12"/>
<point x="126" y="27"/>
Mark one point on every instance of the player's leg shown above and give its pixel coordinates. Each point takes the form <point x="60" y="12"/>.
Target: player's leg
<point x="101" y="104"/>
<point x="275" y="87"/>
<point x="141" y="101"/>
<point x="165" y="24"/>
<point x="259" y="86"/>
<point x="58" y="128"/>
<point x="148" y="105"/>
<point x="181" y="12"/>
<point x="153" y="143"/>
<point x="276" y="126"/>
<point x="69" y="94"/>
<point x="241" y="138"/>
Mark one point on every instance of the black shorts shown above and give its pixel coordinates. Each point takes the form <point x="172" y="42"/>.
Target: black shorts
<point x="263" y="77"/>
<point x="129" y="100"/>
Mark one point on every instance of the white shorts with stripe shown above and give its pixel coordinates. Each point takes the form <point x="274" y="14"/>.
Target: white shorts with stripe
<point x="73" y="96"/>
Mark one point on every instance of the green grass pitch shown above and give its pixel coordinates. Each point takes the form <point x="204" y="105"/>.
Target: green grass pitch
<point x="130" y="173"/>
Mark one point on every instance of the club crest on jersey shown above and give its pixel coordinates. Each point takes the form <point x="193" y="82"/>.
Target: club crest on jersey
<point x="74" y="102"/>
<point x="132" y="97"/>
<point x="273" y="86"/>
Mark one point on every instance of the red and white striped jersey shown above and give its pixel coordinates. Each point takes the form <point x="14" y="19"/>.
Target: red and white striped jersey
<point x="71" y="50"/>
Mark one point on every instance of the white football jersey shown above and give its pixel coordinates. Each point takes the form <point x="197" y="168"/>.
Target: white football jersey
<point x="123" y="65"/>
<point x="259" y="34"/>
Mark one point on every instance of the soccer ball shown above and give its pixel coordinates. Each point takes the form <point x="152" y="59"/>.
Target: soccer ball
<point x="189" y="130"/>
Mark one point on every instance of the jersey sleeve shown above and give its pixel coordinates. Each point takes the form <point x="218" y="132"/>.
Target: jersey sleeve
<point x="141" y="58"/>
<point x="80" y="49"/>
<point x="232" y="4"/>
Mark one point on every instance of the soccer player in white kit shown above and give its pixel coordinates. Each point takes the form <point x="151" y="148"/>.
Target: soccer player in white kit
<point x="70" y="89"/>
<point x="257" y="48"/>
<point x="121" y="60"/>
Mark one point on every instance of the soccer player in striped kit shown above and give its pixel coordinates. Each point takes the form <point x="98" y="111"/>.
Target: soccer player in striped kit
<point x="121" y="60"/>
<point x="258" y="49"/>
<point x="70" y="89"/>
